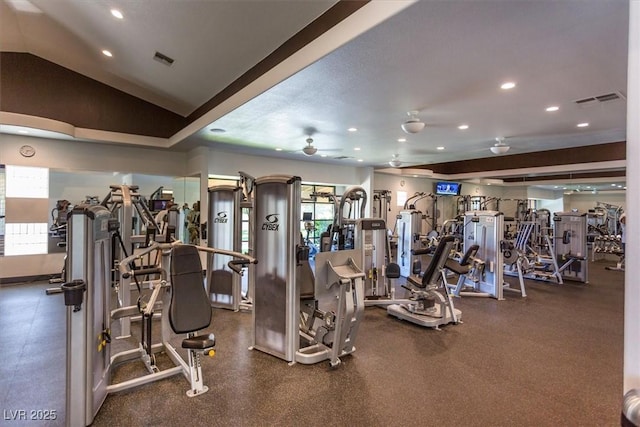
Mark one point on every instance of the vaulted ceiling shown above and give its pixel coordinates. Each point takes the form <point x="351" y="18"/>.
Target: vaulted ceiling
<point x="267" y="75"/>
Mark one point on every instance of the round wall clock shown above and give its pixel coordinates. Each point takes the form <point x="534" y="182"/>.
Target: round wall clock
<point x="27" y="151"/>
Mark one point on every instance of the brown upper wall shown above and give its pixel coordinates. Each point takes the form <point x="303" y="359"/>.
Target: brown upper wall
<point x="33" y="86"/>
<point x="322" y="24"/>
<point x="565" y="156"/>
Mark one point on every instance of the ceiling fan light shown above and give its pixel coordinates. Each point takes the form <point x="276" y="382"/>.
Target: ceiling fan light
<point x="395" y="163"/>
<point x="309" y="150"/>
<point x="413" y="125"/>
<point x="500" y="149"/>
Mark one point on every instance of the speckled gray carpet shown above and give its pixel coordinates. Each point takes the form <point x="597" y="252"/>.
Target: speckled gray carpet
<point x="551" y="359"/>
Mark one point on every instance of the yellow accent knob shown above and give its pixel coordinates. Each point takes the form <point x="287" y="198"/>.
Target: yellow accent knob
<point x="211" y="353"/>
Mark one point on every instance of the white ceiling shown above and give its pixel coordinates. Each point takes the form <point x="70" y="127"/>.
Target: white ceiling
<point x="446" y="59"/>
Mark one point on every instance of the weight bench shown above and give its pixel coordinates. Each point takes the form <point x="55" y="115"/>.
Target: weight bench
<point x="190" y="311"/>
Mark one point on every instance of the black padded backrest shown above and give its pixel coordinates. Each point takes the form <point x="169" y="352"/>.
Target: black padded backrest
<point x="471" y="252"/>
<point x="393" y="270"/>
<point x="431" y="274"/>
<point x="190" y="309"/>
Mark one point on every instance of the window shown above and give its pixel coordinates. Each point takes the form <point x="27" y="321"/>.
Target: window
<point x="25" y="238"/>
<point x="27" y="182"/>
<point x="316" y="200"/>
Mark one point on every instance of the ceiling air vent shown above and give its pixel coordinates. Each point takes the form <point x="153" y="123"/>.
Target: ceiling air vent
<point x="592" y="100"/>
<point x="342" y="157"/>
<point x="164" y="59"/>
<point x="608" y="97"/>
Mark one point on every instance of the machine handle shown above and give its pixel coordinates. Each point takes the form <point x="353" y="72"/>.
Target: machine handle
<point x="141" y="272"/>
<point x="237" y="264"/>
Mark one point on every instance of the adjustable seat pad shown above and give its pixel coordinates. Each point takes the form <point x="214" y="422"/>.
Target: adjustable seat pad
<point x="464" y="265"/>
<point x="199" y="342"/>
<point x="439" y="257"/>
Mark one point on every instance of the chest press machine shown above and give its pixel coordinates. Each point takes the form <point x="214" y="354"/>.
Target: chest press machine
<point x="182" y="300"/>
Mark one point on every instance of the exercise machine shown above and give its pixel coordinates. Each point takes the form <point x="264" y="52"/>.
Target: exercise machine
<point x="372" y="239"/>
<point x="570" y="246"/>
<point x="298" y="317"/>
<point x="409" y="226"/>
<point x="481" y="269"/>
<point x="430" y="305"/>
<point x="138" y="229"/>
<point x="225" y="232"/>
<point x="532" y="254"/>
<point x="87" y="295"/>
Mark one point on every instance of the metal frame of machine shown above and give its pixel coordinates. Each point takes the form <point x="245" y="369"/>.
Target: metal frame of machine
<point x="296" y="317"/>
<point x="486" y="229"/>
<point x="224" y="232"/>
<point x="570" y="248"/>
<point x="430" y="304"/>
<point x="87" y="296"/>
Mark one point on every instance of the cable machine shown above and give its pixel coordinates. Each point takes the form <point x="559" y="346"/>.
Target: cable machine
<point x="409" y="225"/>
<point x="298" y="317"/>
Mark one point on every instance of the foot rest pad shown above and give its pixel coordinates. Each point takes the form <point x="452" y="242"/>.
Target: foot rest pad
<point x="199" y="342"/>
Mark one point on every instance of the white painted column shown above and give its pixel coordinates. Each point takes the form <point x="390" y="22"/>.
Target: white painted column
<point x="632" y="283"/>
<point x="366" y="181"/>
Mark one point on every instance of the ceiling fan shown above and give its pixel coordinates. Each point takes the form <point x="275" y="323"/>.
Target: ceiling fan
<point x="395" y="161"/>
<point x="309" y="149"/>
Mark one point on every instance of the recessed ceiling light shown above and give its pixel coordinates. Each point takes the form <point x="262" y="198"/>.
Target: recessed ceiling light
<point x="217" y="130"/>
<point x="353" y="129"/>
<point x="356" y="149"/>
<point x="613" y="185"/>
<point x="105" y="52"/>
<point x="117" y="14"/>
<point x="278" y="149"/>
<point x="439" y="148"/>
<point x="402" y="139"/>
<point x="323" y="155"/>
<point x="582" y="125"/>
<point x="360" y="160"/>
<point x="508" y="85"/>
<point x="23" y="131"/>
<point x="552" y="108"/>
<point x="555" y="186"/>
<point x="463" y="127"/>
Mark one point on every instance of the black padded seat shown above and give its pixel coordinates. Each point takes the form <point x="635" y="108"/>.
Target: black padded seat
<point x="437" y="262"/>
<point x="199" y="342"/>
<point x="464" y="265"/>
<point x="189" y="309"/>
<point x="393" y="270"/>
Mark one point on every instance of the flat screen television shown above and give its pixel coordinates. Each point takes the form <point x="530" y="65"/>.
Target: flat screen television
<point x="448" y="188"/>
<point x="158" y="205"/>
